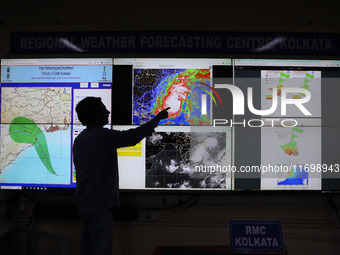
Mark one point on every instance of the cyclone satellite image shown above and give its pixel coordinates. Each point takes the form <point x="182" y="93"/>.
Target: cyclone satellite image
<point x="172" y="157"/>
<point x="180" y="89"/>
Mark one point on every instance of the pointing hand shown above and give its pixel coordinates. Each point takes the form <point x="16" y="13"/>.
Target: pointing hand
<point x="163" y="114"/>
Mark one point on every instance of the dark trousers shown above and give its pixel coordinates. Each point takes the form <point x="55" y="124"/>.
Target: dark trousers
<point x="97" y="234"/>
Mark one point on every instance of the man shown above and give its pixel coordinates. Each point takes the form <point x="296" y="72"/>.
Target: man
<point x="95" y="161"/>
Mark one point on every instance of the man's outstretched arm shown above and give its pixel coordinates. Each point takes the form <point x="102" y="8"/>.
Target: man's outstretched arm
<point x="133" y="136"/>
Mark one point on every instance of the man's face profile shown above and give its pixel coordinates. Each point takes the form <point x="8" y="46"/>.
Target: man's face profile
<point x="102" y="116"/>
<point x="92" y="112"/>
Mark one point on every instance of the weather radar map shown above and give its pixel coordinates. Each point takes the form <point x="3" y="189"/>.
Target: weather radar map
<point x="180" y="89"/>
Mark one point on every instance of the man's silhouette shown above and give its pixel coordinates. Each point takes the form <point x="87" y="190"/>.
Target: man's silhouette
<point x="95" y="161"/>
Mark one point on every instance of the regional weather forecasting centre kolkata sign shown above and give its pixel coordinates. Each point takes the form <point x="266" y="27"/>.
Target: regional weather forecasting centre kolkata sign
<point x="256" y="236"/>
<point x="180" y="41"/>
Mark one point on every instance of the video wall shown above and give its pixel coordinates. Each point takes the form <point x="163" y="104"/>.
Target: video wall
<point x="234" y="124"/>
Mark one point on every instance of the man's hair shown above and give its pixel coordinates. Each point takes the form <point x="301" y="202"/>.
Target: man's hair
<point x="88" y="108"/>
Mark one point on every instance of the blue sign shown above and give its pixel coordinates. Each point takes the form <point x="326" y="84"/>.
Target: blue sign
<point x="256" y="236"/>
<point x="175" y="42"/>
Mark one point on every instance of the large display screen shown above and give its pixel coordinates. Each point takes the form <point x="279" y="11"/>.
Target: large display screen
<point x="38" y="120"/>
<point x="177" y="158"/>
<point x="185" y="147"/>
<point x="234" y="124"/>
<point x="293" y="144"/>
